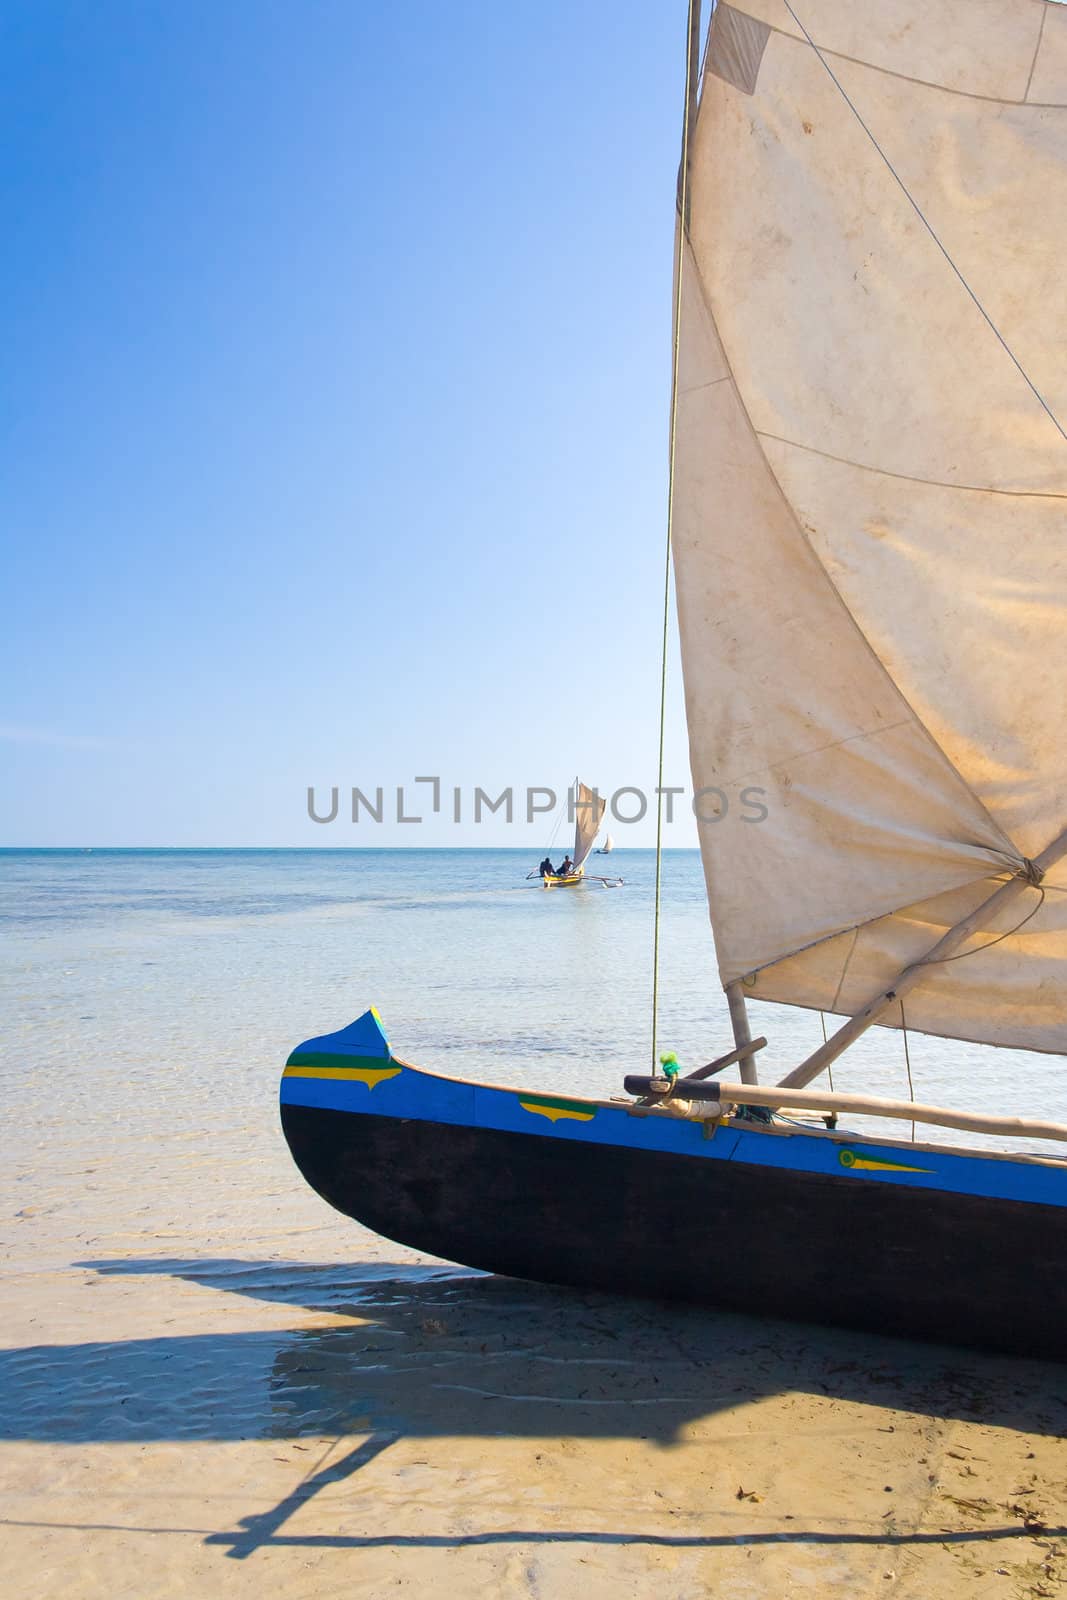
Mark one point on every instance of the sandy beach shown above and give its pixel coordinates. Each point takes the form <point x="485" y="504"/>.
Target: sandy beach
<point x="213" y="1384"/>
<point x="443" y="440"/>
<point x="349" y="1418"/>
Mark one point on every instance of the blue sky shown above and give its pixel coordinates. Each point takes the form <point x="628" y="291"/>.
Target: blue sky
<point x="333" y="436"/>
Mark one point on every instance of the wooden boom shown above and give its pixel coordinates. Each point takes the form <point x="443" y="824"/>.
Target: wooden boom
<point x="747" y="1094"/>
<point x="946" y="947"/>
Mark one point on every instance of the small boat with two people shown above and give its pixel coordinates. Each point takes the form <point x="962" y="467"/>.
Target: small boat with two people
<point x="588" y="809"/>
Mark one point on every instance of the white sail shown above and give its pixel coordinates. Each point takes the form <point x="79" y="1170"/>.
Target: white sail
<point x="871" y="499"/>
<point x="589" y="811"/>
<point x="608" y="845"/>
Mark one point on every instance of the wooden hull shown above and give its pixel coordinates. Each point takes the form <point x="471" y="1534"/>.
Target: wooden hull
<point x="892" y="1237"/>
<point x="552" y="881"/>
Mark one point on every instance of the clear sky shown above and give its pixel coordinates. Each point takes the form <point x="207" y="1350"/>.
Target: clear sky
<point x="333" y="429"/>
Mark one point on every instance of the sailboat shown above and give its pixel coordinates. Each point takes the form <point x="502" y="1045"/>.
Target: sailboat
<point x="868" y="481"/>
<point x="607" y="847"/>
<point x="589" y="811"/>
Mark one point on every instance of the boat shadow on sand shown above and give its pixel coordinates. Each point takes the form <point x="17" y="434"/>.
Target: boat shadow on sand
<point x="436" y="1352"/>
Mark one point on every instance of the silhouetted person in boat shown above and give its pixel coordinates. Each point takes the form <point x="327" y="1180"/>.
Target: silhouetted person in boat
<point x="566" y="868"/>
<point x="547" y="870"/>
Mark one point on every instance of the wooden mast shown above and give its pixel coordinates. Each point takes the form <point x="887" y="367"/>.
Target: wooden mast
<point x="692" y="88"/>
<point x="945" y="948"/>
<point x="734" y="993"/>
<point x="735" y="998"/>
<point x="692" y="83"/>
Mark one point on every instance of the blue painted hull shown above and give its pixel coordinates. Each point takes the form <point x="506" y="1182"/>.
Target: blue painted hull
<point x="872" y="1233"/>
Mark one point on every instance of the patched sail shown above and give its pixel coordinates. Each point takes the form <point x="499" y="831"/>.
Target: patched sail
<point x="589" y="811"/>
<point x="870" y="504"/>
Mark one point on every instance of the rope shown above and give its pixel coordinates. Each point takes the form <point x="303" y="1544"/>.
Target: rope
<point x="1013" y="358"/>
<point x="907" y="1062"/>
<point x="559" y="821"/>
<point x="944" y="960"/>
<point x="1032" y="872"/>
<point x="829" y="1069"/>
<point x="683" y="206"/>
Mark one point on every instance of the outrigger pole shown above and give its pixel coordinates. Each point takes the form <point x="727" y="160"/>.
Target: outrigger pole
<point x="1026" y="877"/>
<point x="710" y="1101"/>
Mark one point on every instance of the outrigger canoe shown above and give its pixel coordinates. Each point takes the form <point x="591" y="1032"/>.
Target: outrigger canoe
<point x="872" y="604"/>
<point x="773" y="1219"/>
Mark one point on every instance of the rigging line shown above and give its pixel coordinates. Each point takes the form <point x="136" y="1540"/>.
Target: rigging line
<point x="907" y="1063"/>
<point x="1037" y="52"/>
<point x="679" y="262"/>
<point x="944" y="960"/>
<point x="929" y="228"/>
<point x="904" y="477"/>
<point x="555" y="830"/>
<point x="829" y="1069"/>
<point x="933" y="83"/>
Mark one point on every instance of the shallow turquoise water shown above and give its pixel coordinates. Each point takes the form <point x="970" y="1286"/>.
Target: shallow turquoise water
<point x="191" y="974"/>
<point x="472" y="967"/>
<point x="183" y="1314"/>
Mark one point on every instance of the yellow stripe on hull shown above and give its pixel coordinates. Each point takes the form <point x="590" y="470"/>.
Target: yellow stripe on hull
<point x="371" y="1076"/>
<point x="854" y="1163"/>
<point x="550" y="880"/>
<point x="554" y="1111"/>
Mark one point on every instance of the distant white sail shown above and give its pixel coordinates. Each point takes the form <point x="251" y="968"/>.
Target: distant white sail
<point x="608" y="846"/>
<point x="870" y="498"/>
<point x="589" y="811"/>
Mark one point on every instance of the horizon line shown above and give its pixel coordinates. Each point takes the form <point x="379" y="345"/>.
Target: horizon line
<point x="325" y="849"/>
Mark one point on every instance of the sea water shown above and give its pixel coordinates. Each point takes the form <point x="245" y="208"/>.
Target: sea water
<point x="190" y="1332"/>
<point x="152" y="996"/>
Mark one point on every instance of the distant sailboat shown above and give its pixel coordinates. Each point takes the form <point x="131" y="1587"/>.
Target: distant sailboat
<point x="607" y="847"/>
<point x="589" y="811"/>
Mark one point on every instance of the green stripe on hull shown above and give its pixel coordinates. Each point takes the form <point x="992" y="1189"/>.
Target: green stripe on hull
<point x="324" y="1058"/>
<point x="549" y="1106"/>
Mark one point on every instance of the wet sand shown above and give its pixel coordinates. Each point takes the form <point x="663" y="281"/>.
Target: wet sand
<point x="354" y="1419"/>
<point x="211" y="1384"/>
